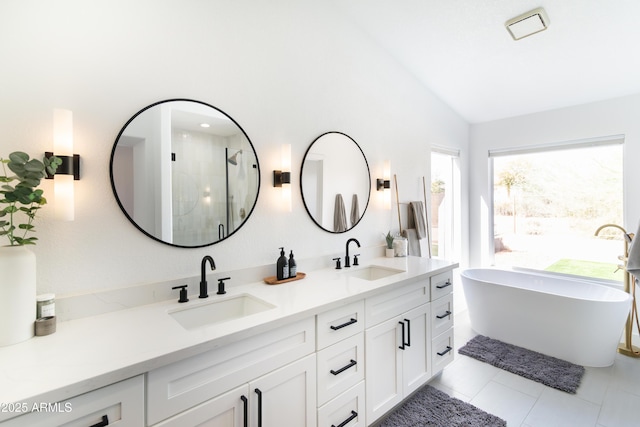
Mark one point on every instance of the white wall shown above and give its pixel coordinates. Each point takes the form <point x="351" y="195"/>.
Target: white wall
<point x="599" y="119"/>
<point x="286" y="70"/>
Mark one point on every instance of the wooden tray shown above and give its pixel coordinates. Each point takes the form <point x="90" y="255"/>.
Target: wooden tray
<point x="274" y="281"/>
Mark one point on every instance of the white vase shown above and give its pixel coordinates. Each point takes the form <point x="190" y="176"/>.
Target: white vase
<point x="389" y="253"/>
<point x="17" y="294"/>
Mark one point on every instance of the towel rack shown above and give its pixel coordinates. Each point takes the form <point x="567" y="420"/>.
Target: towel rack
<point x="426" y="211"/>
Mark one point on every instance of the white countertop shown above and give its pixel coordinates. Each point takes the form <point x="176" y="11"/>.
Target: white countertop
<point x="89" y="353"/>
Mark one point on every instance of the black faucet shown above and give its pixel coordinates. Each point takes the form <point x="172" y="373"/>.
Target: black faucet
<point x="203" y="277"/>
<point x="347" y="261"/>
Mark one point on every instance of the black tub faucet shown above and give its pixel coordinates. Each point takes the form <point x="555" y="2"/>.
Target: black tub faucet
<point x="347" y="261"/>
<point x="203" y="277"/>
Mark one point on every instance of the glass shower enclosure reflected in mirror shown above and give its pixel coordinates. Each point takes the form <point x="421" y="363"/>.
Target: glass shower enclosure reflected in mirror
<point x="185" y="173"/>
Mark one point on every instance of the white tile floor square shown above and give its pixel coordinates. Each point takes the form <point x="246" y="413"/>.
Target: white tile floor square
<point x="607" y="397"/>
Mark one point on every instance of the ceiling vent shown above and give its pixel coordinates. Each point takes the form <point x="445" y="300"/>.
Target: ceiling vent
<point x="528" y="23"/>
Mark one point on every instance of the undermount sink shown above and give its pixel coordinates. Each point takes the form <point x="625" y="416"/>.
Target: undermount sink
<point x="373" y="272"/>
<point x="219" y="311"/>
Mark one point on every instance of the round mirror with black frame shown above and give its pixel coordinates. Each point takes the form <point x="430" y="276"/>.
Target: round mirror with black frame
<point x="185" y="173"/>
<point x="335" y="182"/>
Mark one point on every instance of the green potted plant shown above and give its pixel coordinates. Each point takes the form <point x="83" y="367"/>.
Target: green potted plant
<point x="20" y="201"/>
<point x="389" y="249"/>
<point x="20" y="196"/>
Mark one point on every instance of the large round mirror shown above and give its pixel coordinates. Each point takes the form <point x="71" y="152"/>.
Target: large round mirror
<point x="185" y="173"/>
<point x="335" y="182"/>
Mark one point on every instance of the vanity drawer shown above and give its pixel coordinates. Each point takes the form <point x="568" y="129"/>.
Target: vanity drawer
<point x="340" y="367"/>
<point x="442" y="351"/>
<point x="347" y="409"/>
<point x="395" y="302"/>
<point x="184" y="384"/>
<point x="441" y="285"/>
<point x="121" y="403"/>
<point x="441" y="315"/>
<point x="339" y="323"/>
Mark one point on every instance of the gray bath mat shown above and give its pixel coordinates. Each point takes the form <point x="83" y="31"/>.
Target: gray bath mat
<point x="430" y="407"/>
<point x="535" y="366"/>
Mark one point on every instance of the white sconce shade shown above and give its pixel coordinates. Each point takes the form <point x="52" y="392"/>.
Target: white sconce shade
<point x="62" y="132"/>
<point x="64" y="198"/>
<point x="69" y="170"/>
<point x="286" y="157"/>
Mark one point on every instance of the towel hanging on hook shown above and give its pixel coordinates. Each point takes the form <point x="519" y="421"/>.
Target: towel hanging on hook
<point x="355" y="210"/>
<point x="339" y="215"/>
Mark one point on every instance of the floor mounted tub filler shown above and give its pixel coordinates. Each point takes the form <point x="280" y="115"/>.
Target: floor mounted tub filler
<point x="577" y="321"/>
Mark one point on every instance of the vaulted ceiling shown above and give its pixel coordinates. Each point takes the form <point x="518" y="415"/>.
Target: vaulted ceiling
<point x="461" y="50"/>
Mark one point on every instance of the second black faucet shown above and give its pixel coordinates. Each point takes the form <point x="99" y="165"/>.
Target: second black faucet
<point x="347" y="261"/>
<point x="204" y="293"/>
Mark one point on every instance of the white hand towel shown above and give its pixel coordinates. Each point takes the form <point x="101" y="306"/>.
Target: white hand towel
<point x="633" y="263"/>
<point x="414" y="242"/>
<point x="355" y="210"/>
<point x="416" y="219"/>
<point x="339" y="215"/>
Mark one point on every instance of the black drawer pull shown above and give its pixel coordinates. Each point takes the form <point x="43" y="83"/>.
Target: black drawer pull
<point x="442" y="353"/>
<point x="347" y="421"/>
<point x="245" y="404"/>
<point x="350" y="322"/>
<point x="401" y="346"/>
<point x="408" y="343"/>
<point x="445" y="285"/>
<point x="103" y="423"/>
<point x="446" y="314"/>
<point x="259" y="393"/>
<point x="344" y="368"/>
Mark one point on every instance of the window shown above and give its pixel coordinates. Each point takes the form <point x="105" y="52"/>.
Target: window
<point x="445" y="204"/>
<point x="549" y="201"/>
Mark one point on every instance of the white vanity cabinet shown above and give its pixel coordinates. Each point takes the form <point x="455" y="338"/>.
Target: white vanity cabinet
<point x="228" y="410"/>
<point x="196" y="380"/>
<point x="441" y="321"/>
<point x="341" y="362"/>
<point x="398" y="354"/>
<point x="346" y="410"/>
<point x="284" y="397"/>
<point x="341" y="366"/>
<point x="120" y="404"/>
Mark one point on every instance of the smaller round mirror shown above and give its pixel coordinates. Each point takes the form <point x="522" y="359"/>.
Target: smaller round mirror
<point x="185" y="173"/>
<point x="335" y="182"/>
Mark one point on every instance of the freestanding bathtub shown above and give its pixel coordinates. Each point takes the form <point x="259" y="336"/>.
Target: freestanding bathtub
<point x="577" y="321"/>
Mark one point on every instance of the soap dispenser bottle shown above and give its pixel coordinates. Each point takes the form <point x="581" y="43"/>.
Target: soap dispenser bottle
<point x="293" y="268"/>
<point x="282" y="266"/>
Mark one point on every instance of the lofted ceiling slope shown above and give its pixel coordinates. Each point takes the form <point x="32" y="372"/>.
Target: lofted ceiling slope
<point x="461" y="51"/>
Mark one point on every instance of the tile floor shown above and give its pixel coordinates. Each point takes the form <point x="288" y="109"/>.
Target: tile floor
<point x="607" y="397"/>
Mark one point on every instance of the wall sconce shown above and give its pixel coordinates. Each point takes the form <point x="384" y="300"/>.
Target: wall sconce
<point x="283" y="176"/>
<point x="384" y="185"/>
<point x="69" y="170"/>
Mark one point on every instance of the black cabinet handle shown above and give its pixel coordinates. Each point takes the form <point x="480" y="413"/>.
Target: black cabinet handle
<point x="442" y="353"/>
<point x="350" y="322"/>
<point x="344" y="368"/>
<point x="259" y="393"/>
<point x="347" y="421"/>
<point x="448" y="283"/>
<point x="103" y="423"/>
<point x="408" y="343"/>
<point x="446" y="314"/>
<point x="245" y="403"/>
<point x="401" y="347"/>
